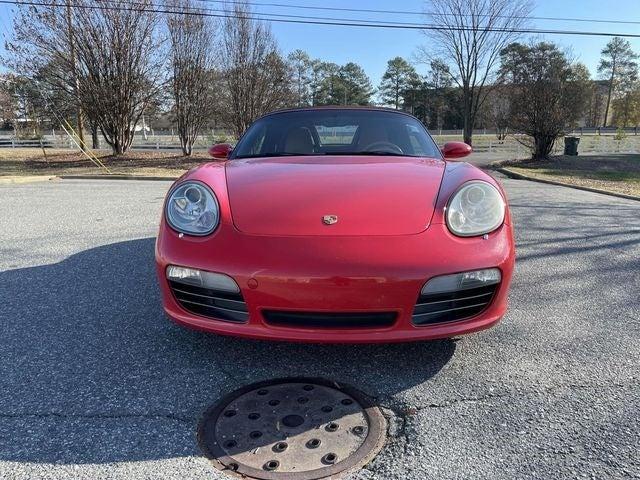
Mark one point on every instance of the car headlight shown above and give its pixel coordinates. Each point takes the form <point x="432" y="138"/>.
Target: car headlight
<point x="475" y="209"/>
<point x="192" y="208"/>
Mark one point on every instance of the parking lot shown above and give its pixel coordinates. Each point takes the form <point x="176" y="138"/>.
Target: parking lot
<point x="96" y="383"/>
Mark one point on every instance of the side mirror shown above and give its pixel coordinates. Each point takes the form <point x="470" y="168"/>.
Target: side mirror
<point x="220" y="150"/>
<point x="452" y="150"/>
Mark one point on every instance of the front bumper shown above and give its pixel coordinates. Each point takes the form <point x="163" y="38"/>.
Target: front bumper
<point x="335" y="274"/>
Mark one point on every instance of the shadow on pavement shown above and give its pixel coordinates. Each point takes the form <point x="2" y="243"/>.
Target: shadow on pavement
<point x="93" y="372"/>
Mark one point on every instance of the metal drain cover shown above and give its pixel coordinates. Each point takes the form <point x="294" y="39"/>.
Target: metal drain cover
<point x="292" y="428"/>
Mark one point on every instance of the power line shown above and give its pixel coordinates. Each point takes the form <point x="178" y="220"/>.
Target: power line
<point x="340" y="22"/>
<point x="413" y="12"/>
<point x="396" y="24"/>
<point x="281" y="15"/>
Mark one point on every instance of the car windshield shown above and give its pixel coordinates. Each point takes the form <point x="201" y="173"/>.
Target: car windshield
<point x="336" y="132"/>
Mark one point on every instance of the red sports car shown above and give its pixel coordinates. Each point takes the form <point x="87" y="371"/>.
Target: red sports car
<point x="336" y="225"/>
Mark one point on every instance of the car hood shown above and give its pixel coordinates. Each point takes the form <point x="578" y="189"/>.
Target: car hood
<point x="368" y="195"/>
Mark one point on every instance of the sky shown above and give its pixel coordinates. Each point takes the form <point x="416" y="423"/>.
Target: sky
<point x="373" y="47"/>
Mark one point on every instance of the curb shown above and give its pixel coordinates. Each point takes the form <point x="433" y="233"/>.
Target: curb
<point x="26" y="179"/>
<point x="519" y="176"/>
<point x="118" y="177"/>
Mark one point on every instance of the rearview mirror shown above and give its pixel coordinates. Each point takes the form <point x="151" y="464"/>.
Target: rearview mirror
<point x="452" y="150"/>
<point x="220" y="150"/>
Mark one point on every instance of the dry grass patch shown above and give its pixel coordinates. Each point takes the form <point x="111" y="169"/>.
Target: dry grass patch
<point x="619" y="173"/>
<point x="32" y="161"/>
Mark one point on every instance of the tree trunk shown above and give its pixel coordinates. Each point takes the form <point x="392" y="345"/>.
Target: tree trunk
<point x="606" y="110"/>
<point x="95" y="138"/>
<point x="81" y="128"/>
<point x="543" y="146"/>
<point x="144" y="128"/>
<point x="120" y="139"/>
<point x="467" y="131"/>
<point x="467" y="113"/>
<point x="186" y="145"/>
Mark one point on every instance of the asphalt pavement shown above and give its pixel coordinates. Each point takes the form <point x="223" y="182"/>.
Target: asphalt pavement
<point x="96" y="383"/>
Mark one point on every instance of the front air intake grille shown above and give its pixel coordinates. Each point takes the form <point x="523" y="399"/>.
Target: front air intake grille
<point x="452" y="306"/>
<point x="330" y="320"/>
<point x="210" y="303"/>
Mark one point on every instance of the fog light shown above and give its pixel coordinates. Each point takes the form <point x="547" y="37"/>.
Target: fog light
<point x="201" y="278"/>
<point x="462" y="281"/>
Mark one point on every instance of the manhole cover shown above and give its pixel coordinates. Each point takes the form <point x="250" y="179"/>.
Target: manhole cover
<point x="294" y="428"/>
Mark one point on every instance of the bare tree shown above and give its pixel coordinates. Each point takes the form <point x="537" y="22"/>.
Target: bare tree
<point x="104" y="61"/>
<point x="42" y="50"/>
<point x="496" y="111"/>
<point x="469" y="35"/>
<point x="257" y="78"/>
<point x="8" y="102"/>
<point x="119" y="66"/>
<point x="192" y="51"/>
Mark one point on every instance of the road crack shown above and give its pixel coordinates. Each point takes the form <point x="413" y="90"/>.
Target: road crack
<point x="403" y="409"/>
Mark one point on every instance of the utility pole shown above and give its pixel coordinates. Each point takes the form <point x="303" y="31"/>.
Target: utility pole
<point x="76" y="85"/>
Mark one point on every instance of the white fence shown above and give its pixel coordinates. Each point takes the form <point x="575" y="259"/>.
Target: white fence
<point x="488" y="143"/>
<point x="165" y="140"/>
<point x="512" y="148"/>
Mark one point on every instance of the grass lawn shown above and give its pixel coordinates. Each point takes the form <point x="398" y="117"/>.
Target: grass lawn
<point x="32" y="161"/>
<point x="618" y="173"/>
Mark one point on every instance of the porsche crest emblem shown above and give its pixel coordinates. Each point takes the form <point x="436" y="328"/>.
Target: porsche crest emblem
<point x="330" y="219"/>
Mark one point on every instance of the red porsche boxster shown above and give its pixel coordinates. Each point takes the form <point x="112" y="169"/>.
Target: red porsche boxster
<point x="336" y="225"/>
